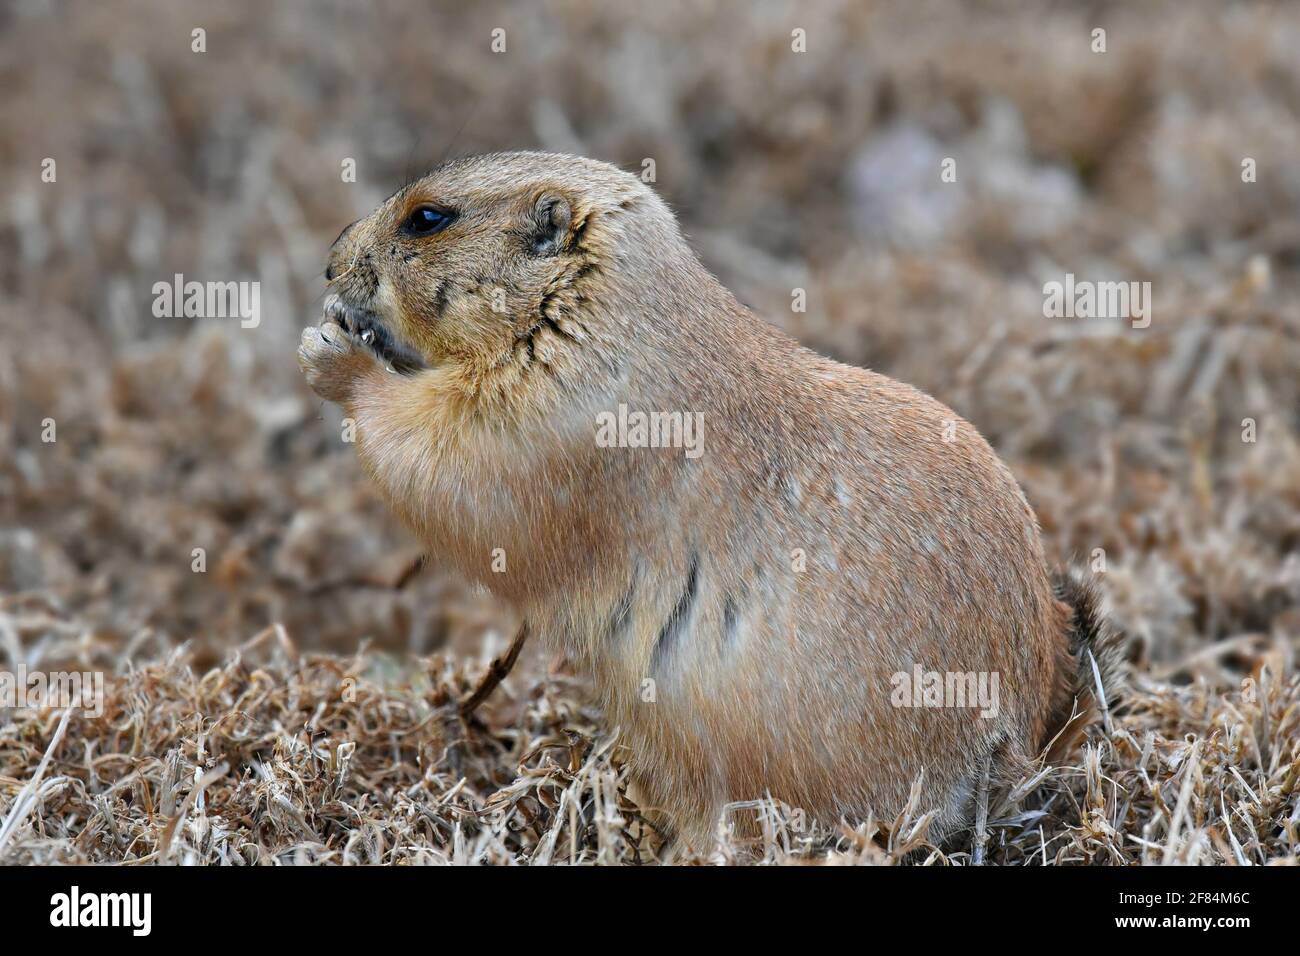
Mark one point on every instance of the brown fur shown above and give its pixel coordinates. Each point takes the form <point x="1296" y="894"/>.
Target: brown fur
<point x="639" y="563"/>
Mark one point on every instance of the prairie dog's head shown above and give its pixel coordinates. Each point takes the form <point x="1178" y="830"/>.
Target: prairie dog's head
<point x="494" y="259"/>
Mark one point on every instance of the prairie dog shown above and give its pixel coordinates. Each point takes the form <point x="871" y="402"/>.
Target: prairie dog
<point x="753" y="611"/>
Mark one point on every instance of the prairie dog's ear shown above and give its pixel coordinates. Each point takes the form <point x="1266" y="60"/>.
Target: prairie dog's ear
<point x="551" y="225"/>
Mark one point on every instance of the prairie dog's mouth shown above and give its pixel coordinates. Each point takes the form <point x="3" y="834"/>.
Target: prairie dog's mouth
<point x="370" y="329"/>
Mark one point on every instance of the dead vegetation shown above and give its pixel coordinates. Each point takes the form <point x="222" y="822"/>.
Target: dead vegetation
<point x="278" y="756"/>
<point x="298" y="700"/>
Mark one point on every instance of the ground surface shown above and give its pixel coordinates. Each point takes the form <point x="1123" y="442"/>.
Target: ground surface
<point x="292" y="703"/>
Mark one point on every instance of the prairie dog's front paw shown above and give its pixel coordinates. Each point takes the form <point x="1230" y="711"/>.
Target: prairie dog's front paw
<point x="333" y="361"/>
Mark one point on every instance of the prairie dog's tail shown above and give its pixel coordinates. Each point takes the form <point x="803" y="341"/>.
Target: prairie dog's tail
<point x="1093" y="669"/>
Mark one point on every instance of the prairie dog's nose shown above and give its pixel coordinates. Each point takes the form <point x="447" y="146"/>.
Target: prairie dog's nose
<point x="337" y="252"/>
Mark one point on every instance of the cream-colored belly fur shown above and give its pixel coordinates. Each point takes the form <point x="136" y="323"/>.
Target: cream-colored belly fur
<point x="741" y="615"/>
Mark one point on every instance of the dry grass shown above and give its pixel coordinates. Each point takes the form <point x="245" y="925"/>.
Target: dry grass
<point x="283" y="757"/>
<point x="233" y="730"/>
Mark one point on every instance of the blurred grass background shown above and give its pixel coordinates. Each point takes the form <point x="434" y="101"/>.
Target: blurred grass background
<point x="814" y="170"/>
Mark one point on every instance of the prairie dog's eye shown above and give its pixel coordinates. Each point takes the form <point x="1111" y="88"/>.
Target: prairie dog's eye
<point x="426" y="220"/>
